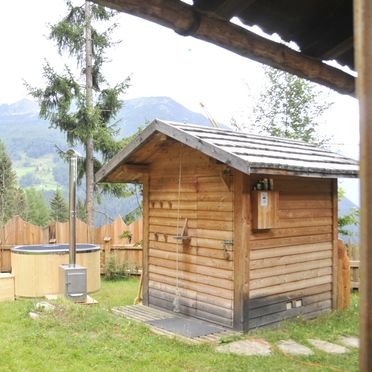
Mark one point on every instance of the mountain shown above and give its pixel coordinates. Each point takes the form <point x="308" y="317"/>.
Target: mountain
<point x="139" y="111"/>
<point x="31" y="143"/>
<point x="23" y="132"/>
<point x="345" y="206"/>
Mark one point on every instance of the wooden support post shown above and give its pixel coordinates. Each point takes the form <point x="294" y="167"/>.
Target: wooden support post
<point x="145" y="252"/>
<point x="242" y="230"/>
<point x="335" y="244"/>
<point x="363" y="56"/>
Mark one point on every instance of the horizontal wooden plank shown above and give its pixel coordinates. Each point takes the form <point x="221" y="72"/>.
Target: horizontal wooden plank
<point x="354" y="264"/>
<point x="193" y="303"/>
<point x="280" y="316"/>
<point x="214" y="215"/>
<point x="196" y="233"/>
<point x="210" y="243"/>
<point x="282" y="288"/>
<point x="302" y="184"/>
<point x="217" y="196"/>
<point x="187" y="169"/>
<point x="218" y="186"/>
<point x="186" y="257"/>
<point x="289" y="296"/>
<point x="305" y="204"/>
<point x="172" y="196"/>
<point x="182" y="205"/>
<point x="290" y="250"/>
<point x="289" y="268"/>
<point x="215" y="206"/>
<point x="166" y="221"/>
<point x="209" y="253"/>
<point x="200" y="296"/>
<point x="291" y="241"/>
<point x="277" y="280"/>
<point x="192" y="277"/>
<point x="193" y="286"/>
<point x="302" y="222"/>
<point x="215" y="225"/>
<point x="292" y="231"/>
<point x="192" y="268"/>
<point x="214" y="234"/>
<point x="171" y="213"/>
<point x="271" y="263"/>
<point x="173" y="187"/>
<point x="305" y="213"/>
<point x="282" y="306"/>
<point x="303" y="196"/>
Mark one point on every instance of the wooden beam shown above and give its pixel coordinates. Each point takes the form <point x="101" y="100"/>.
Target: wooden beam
<point x="135" y="168"/>
<point x="242" y="229"/>
<point x="185" y="20"/>
<point x="334" y="196"/>
<point x="339" y="49"/>
<point x="145" y="244"/>
<point x="363" y="56"/>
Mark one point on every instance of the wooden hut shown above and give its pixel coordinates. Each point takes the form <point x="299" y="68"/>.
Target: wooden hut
<point x="239" y="229"/>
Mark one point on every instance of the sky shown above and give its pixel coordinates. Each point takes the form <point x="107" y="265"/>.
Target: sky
<point x="160" y="63"/>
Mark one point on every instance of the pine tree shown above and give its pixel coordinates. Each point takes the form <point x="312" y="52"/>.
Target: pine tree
<point x="58" y="207"/>
<point x="37" y="211"/>
<point x="81" y="211"/>
<point x="10" y="193"/>
<point x="289" y="107"/>
<point x="85" y="111"/>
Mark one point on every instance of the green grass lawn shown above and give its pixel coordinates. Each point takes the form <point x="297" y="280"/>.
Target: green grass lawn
<point x="91" y="338"/>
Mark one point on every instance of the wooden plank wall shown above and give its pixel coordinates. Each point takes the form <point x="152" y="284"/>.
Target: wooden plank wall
<point x="294" y="260"/>
<point x="205" y="264"/>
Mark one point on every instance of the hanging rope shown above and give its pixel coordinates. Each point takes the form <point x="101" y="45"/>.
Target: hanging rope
<point x="176" y="301"/>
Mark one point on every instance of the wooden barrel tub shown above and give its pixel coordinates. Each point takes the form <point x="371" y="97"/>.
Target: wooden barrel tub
<point x="36" y="267"/>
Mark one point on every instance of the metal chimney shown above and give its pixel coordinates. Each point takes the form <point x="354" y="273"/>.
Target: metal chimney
<point x="72" y="155"/>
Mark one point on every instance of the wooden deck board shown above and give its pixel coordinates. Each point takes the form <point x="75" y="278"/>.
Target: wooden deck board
<point x="143" y="314"/>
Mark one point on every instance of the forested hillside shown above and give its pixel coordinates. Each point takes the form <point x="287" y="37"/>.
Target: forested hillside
<point x="32" y="144"/>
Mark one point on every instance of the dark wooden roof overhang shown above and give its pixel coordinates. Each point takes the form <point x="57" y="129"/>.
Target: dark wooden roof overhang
<point x="323" y="30"/>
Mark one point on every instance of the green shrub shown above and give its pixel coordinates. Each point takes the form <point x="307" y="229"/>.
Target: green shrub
<point x="115" y="271"/>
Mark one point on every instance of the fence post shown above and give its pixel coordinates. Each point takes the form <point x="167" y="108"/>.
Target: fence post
<point x="343" y="284"/>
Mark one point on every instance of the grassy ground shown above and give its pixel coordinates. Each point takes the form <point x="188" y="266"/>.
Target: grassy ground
<point x="87" y="338"/>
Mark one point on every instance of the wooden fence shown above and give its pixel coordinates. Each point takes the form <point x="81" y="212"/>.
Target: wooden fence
<point x="354" y="254"/>
<point x="126" y="250"/>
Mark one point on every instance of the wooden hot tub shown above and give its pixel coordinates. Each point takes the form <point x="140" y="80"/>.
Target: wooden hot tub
<point x="36" y="267"/>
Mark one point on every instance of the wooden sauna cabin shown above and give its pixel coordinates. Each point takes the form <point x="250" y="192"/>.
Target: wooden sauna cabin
<point x="239" y="229"/>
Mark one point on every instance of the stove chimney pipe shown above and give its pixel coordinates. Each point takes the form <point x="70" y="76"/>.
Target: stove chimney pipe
<point x="72" y="156"/>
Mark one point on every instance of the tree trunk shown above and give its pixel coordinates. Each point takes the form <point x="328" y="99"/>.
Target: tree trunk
<point x="89" y="146"/>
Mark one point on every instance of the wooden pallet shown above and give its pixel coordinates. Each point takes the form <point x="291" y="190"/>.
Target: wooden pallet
<point x="143" y="314"/>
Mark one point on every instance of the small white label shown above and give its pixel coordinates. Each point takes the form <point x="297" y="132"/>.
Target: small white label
<point x="264" y="199"/>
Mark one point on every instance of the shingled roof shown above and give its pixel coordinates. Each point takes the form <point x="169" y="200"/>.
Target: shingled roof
<point x="246" y="152"/>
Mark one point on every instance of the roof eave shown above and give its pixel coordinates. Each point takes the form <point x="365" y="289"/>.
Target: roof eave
<point x="215" y="152"/>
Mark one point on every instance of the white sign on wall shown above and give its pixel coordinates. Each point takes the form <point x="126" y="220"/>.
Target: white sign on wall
<point x="264" y="199"/>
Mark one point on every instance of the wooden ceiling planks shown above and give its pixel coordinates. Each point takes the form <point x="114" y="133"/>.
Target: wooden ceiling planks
<point x="189" y="21"/>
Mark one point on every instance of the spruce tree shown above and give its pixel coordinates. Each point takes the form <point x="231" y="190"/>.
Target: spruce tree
<point x="84" y="111"/>
<point x="37" y="211"/>
<point x="81" y="211"/>
<point x="10" y="194"/>
<point x="58" y="207"/>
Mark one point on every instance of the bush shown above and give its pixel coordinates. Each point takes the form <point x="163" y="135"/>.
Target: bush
<point x="114" y="270"/>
